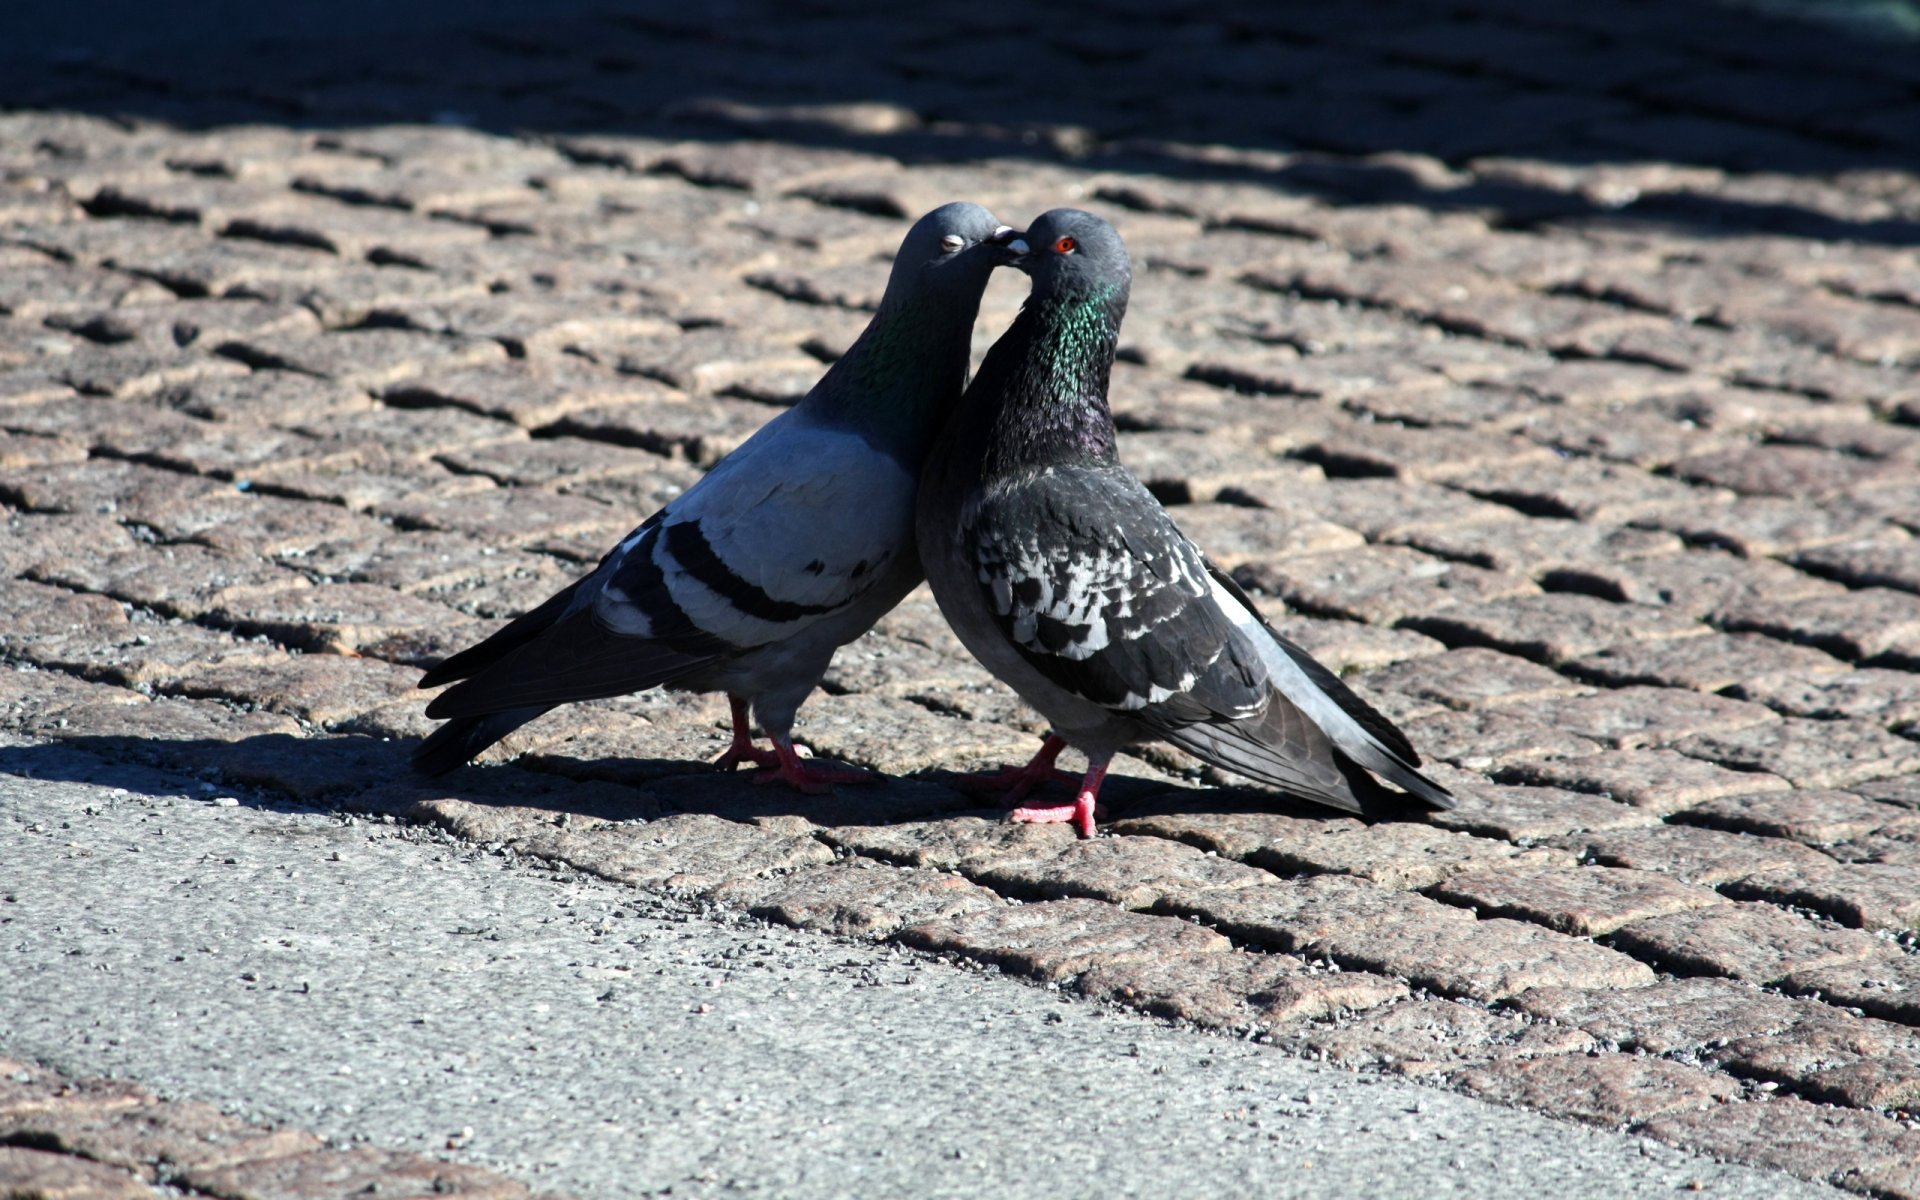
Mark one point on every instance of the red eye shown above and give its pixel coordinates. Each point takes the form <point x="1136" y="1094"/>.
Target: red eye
<point x="1065" y="245"/>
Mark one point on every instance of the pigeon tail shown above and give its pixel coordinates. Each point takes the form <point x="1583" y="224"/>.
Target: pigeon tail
<point x="462" y="739"/>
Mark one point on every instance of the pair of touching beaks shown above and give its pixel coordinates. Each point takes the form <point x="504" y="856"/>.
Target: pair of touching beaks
<point x="1013" y="241"/>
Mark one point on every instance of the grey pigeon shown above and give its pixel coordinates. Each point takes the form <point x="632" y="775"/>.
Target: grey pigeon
<point x="1069" y="581"/>
<point x="791" y="547"/>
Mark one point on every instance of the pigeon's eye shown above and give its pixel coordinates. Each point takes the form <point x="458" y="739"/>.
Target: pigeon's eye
<point x="1065" y="245"/>
<point x="952" y="243"/>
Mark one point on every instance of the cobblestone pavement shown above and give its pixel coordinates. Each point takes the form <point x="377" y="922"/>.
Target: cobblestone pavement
<point x="1553" y="371"/>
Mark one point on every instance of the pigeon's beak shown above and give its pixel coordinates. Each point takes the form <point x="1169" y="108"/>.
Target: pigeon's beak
<point x="1012" y="243"/>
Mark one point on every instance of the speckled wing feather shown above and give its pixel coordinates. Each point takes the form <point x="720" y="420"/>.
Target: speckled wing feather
<point x="1097" y="589"/>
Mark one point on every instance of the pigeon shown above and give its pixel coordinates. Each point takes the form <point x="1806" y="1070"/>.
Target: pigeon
<point x="1066" y="578"/>
<point x="789" y="548"/>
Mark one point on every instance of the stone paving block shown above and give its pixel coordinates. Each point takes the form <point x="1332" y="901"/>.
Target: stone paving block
<point x="366" y="358"/>
<point x="1527" y="814"/>
<point x="1661" y="781"/>
<point x="1583" y="901"/>
<point x="1634" y="436"/>
<point x="1885" y="986"/>
<point x="124" y="489"/>
<point x="692" y="852"/>
<point x="1585" y="490"/>
<point x="1863" y="895"/>
<point x="1633" y="718"/>
<point x="148" y="655"/>
<point x="365" y="480"/>
<point x="1383" y="510"/>
<point x="155" y="1138"/>
<point x="1539" y="547"/>
<point x="1379" y="584"/>
<point x="1132" y="872"/>
<point x="856" y="898"/>
<point x="1808" y="753"/>
<point x="1059" y="939"/>
<point x="1234" y="535"/>
<point x="1426" y="1037"/>
<point x="188" y="322"/>
<point x="1800" y="472"/>
<point x="168" y="731"/>
<point x="39" y="1175"/>
<point x="1754" y="942"/>
<point x="1184" y="467"/>
<point x="184" y="581"/>
<point x="1812" y="817"/>
<point x="1237" y="990"/>
<point x="33" y="698"/>
<point x="39" y="287"/>
<point x="341" y="618"/>
<point x="899" y="737"/>
<point x="337" y="1172"/>
<point x="1343" y="646"/>
<point x="33" y="450"/>
<point x="265" y="397"/>
<point x="531" y="393"/>
<point x="248" y="523"/>
<point x="1299" y="915"/>
<point x="1674" y="1017"/>
<point x="1554" y="628"/>
<point x="880" y="664"/>
<point x="323" y="689"/>
<point x="1469" y="678"/>
<point x="1833" y="1056"/>
<point x="1692" y="854"/>
<point x="701" y="432"/>
<point x="1808" y="1140"/>
<point x="1382" y="448"/>
<point x="1609" y="1090"/>
<point x="1881" y="563"/>
<point x="1871" y="623"/>
<point x="1768" y="526"/>
<point x="964" y="843"/>
<point x="1699" y="584"/>
<point x="31" y="541"/>
<point x="511" y="516"/>
<point x="1748" y="666"/>
<point x="1488" y="739"/>
<point x="550" y="462"/>
<point x="1233" y="824"/>
<point x="1396" y="854"/>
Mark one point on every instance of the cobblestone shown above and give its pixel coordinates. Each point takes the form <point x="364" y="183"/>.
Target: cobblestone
<point x="1595" y="475"/>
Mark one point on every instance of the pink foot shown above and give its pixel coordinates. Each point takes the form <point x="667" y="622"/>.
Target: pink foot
<point x="815" y="779"/>
<point x="743" y="750"/>
<point x="1019" y="782"/>
<point x="1080" y="814"/>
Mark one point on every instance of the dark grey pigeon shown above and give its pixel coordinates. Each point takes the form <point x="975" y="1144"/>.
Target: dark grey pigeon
<point x="791" y="547"/>
<point x="1066" y="578"/>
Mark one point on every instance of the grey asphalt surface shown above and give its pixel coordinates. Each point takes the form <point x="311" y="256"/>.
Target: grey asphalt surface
<point x="379" y="982"/>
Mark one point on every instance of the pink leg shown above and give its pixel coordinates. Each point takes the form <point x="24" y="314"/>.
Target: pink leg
<point x="1080" y="813"/>
<point x="812" y="778"/>
<point x="743" y="749"/>
<point x="1017" y="782"/>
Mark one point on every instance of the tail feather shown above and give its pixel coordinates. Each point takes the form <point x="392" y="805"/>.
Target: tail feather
<point x="505" y="640"/>
<point x="462" y="739"/>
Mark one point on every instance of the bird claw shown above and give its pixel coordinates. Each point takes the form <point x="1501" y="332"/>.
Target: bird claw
<point x="744" y="752"/>
<point x="1080" y="814"/>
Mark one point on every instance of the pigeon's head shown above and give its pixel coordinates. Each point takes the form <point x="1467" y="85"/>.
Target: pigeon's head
<point x="952" y="250"/>
<point x="1072" y="252"/>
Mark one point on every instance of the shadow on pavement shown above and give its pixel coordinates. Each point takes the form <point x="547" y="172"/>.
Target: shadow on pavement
<point x="364" y="774"/>
<point x="1474" y="105"/>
